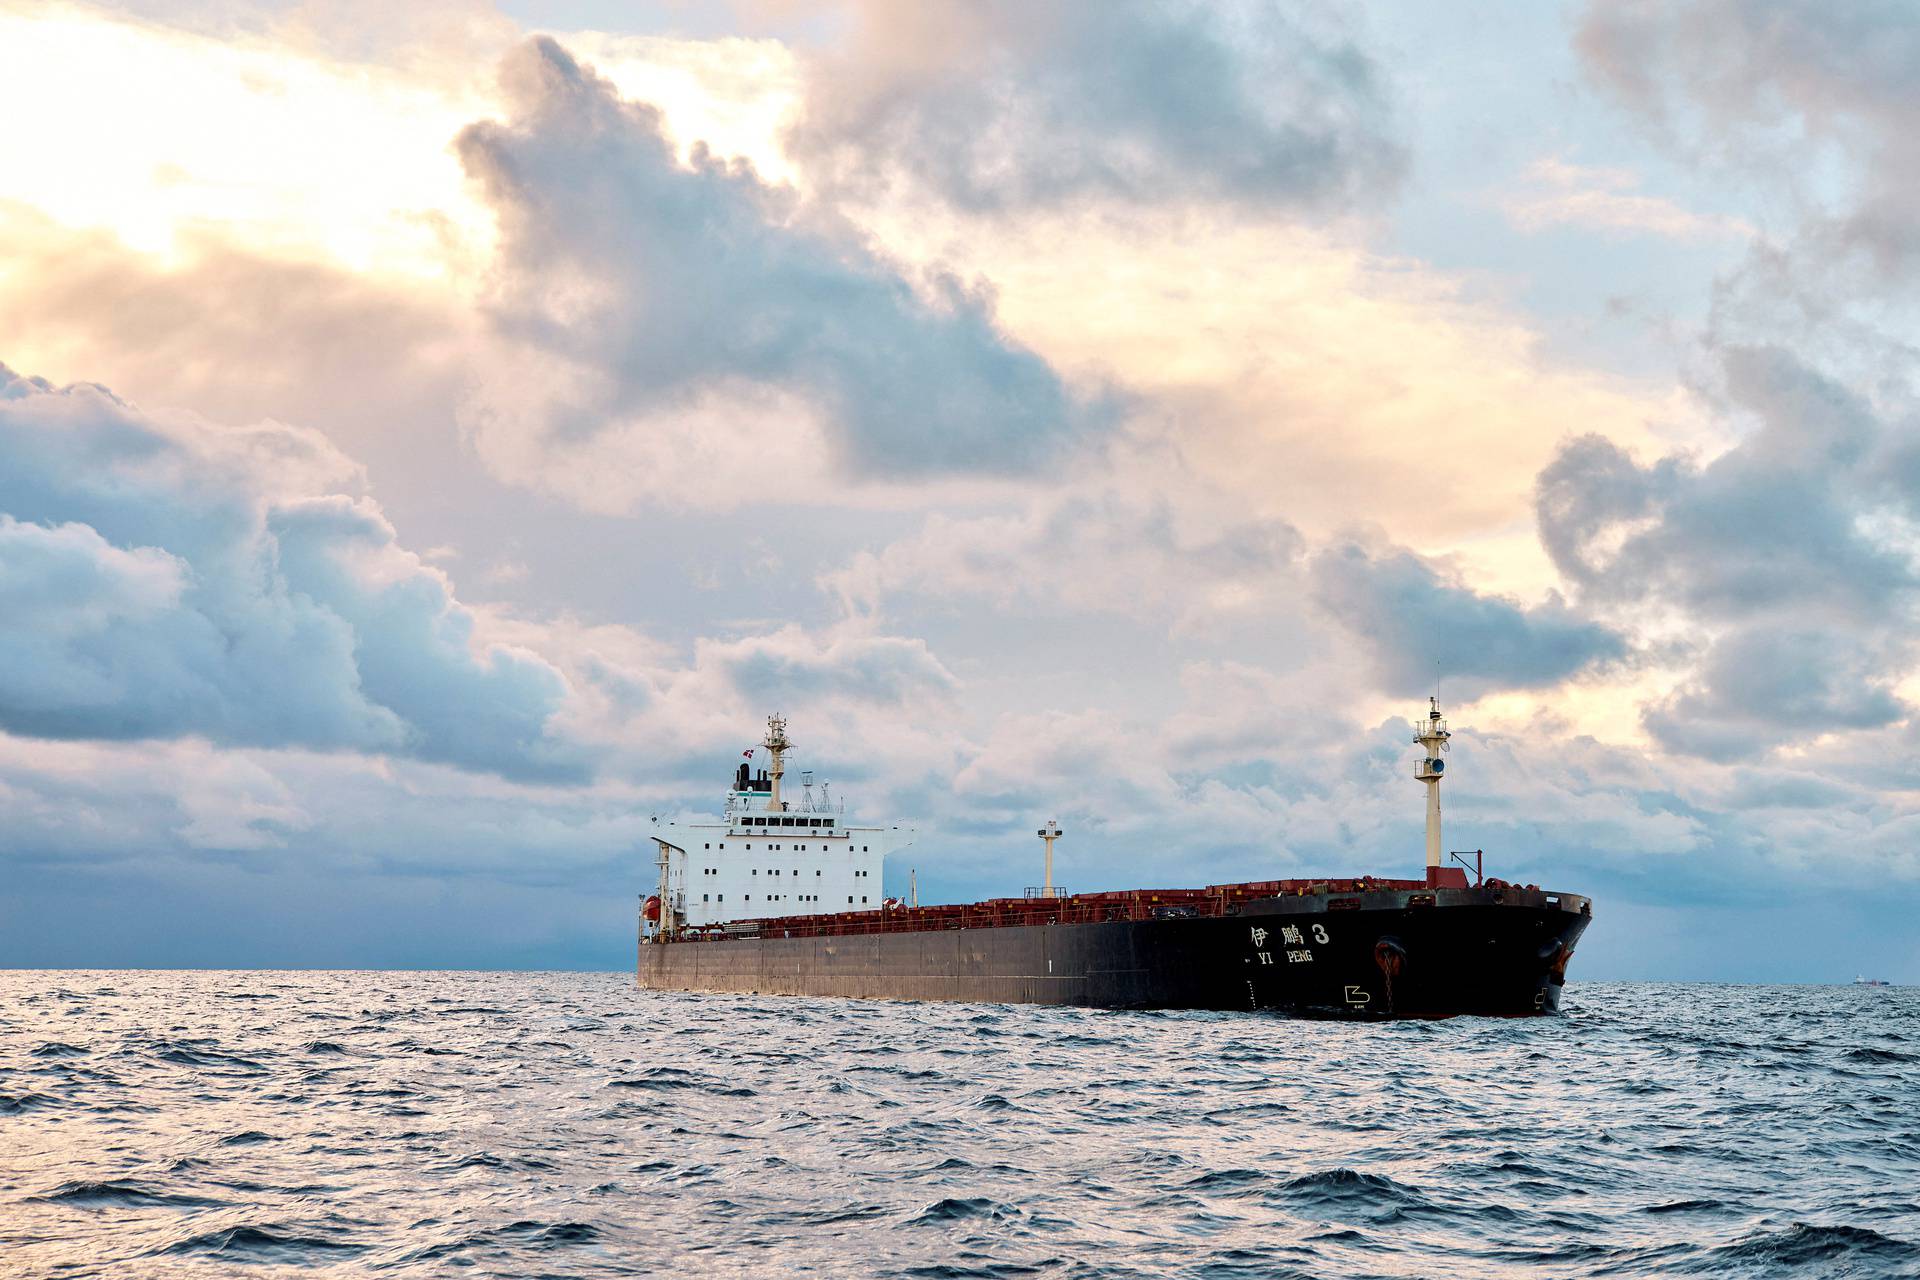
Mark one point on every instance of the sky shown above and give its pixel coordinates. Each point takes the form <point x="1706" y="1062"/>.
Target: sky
<point x="434" y="437"/>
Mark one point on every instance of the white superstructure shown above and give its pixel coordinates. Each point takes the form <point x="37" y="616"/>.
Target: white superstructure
<point x="771" y="855"/>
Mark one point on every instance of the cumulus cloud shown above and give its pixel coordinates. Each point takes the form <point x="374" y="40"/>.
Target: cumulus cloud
<point x="1783" y="86"/>
<point x="688" y="330"/>
<point x="164" y="577"/>
<point x="1004" y="106"/>
<point x="1771" y="522"/>
<point x="1420" y="627"/>
<point x="1788" y="559"/>
<point x="1802" y="605"/>
<point x="788" y="664"/>
<point x="1760" y="680"/>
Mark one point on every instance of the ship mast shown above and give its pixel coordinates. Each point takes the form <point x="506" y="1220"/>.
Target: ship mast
<point x="777" y="747"/>
<point x="1432" y="736"/>
<point x="1049" y="833"/>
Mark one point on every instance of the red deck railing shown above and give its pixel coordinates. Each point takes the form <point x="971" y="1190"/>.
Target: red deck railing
<point x="1082" y="908"/>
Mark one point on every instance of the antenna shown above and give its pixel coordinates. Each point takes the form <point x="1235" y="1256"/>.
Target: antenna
<point x="806" y="791"/>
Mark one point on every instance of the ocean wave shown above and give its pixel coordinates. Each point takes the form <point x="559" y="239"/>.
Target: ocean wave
<point x="960" y="1210"/>
<point x="1804" y="1244"/>
<point x="422" y="1125"/>
<point x="249" y="1242"/>
<point x="118" y="1191"/>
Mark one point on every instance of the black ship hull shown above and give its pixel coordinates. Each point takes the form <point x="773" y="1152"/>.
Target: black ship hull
<point x="1491" y="951"/>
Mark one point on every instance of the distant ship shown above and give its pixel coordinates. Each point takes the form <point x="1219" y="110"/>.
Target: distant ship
<point x="1859" y="981"/>
<point x="782" y="897"/>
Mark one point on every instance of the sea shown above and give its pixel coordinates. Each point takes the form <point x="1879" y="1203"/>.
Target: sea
<point x="198" y="1124"/>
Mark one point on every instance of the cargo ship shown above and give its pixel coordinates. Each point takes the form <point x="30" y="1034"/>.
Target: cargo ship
<point x="781" y="895"/>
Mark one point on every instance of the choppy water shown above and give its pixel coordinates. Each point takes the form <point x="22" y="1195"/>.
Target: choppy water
<point x="348" y="1124"/>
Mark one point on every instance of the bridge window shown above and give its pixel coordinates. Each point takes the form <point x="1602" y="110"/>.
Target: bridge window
<point x="703" y="897"/>
<point x="816" y="871"/>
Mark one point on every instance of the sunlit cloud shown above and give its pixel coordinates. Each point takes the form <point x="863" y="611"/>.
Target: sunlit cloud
<point x="1557" y="193"/>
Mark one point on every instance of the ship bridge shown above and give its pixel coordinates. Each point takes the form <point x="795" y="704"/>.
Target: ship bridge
<point x="771" y="854"/>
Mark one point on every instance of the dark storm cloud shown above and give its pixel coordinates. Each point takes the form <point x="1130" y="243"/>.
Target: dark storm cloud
<point x="161" y="578"/>
<point x="645" y="285"/>
<point x="1008" y="105"/>
<point x="1418" y="628"/>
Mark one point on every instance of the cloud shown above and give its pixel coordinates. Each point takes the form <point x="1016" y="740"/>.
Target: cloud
<point x="1420" y="628"/>
<point x="1557" y="193"/>
<point x="1004" y="106"/>
<point x="373" y="361"/>
<point x="1760" y="682"/>
<point x="1785" y="89"/>
<point x="789" y="665"/>
<point x="1791" y="560"/>
<point x="1771" y="523"/>
<point x="1146" y="541"/>
<point x="1769" y="557"/>
<point x="690" y="332"/>
<point x="163" y="577"/>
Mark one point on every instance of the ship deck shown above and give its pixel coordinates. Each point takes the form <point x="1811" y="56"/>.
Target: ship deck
<point x="1084" y="908"/>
